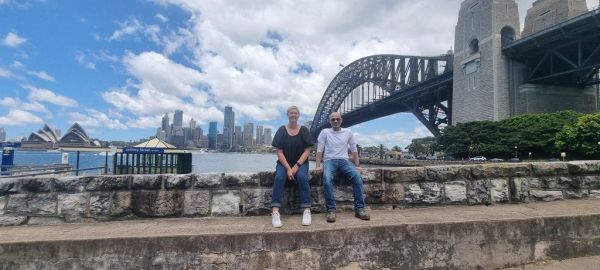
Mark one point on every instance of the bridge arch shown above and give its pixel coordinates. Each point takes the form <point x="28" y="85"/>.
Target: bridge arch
<point x="380" y="85"/>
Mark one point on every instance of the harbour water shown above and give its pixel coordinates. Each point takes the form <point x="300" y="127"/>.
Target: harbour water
<point x="202" y="162"/>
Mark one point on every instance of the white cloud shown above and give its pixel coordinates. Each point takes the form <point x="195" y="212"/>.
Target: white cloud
<point x="13" y="40"/>
<point x="81" y="58"/>
<point x="391" y="138"/>
<point x="45" y="95"/>
<point x="15" y="103"/>
<point x="41" y="74"/>
<point x="161" y="17"/>
<point x="95" y="118"/>
<point x="17" y="117"/>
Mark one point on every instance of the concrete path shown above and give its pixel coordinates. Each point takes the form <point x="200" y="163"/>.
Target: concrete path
<point x="585" y="263"/>
<point x="262" y="224"/>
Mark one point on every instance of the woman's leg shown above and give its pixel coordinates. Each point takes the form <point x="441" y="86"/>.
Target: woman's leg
<point x="278" y="186"/>
<point x="302" y="179"/>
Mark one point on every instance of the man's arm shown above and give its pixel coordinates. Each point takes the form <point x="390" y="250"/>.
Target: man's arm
<point x="354" y="150"/>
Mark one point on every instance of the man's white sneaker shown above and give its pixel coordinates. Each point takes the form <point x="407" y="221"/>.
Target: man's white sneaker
<point x="276" y="220"/>
<point x="306" y="220"/>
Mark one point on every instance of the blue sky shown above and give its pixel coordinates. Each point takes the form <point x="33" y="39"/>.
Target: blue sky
<point x="117" y="66"/>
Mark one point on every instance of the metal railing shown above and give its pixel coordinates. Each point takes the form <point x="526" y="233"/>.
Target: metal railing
<point x="177" y="163"/>
<point x="13" y="171"/>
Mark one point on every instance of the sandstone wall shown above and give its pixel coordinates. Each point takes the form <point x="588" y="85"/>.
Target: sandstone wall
<point x="101" y="198"/>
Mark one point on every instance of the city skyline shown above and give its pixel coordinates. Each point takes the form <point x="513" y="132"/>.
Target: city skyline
<point x="117" y="72"/>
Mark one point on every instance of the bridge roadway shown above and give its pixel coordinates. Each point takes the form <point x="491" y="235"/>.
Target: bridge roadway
<point x="211" y="242"/>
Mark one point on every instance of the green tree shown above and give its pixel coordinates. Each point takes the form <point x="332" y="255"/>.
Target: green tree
<point x="581" y="138"/>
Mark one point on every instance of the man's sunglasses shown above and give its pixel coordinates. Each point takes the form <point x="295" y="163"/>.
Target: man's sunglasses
<point x="336" y="119"/>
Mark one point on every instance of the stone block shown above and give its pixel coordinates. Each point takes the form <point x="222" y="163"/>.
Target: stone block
<point x="72" y="206"/>
<point x="146" y="181"/>
<point x="256" y="201"/>
<point x="400" y="175"/>
<point x="318" y="199"/>
<point x="590" y="181"/>
<point x="393" y="194"/>
<point x="37" y="184"/>
<point x="455" y="192"/>
<point x="100" y="204"/>
<point x="12" y="221"/>
<point x="69" y="184"/>
<point x="9" y="186"/>
<point x="374" y="193"/>
<point x="478" y="192"/>
<point x="120" y="203"/>
<point x="488" y="171"/>
<point x="423" y="193"/>
<point x="196" y="202"/>
<point x="32" y="204"/>
<point x="371" y="175"/>
<point x="3" y="200"/>
<point x="447" y="173"/>
<point x="233" y="180"/>
<point x="107" y="182"/>
<point x="546" y="195"/>
<point x="343" y="193"/>
<point x="583" y="167"/>
<point x="520" y="187"/>
<point x="208" y="180"/>
<point x="44" y="220"/>
<point x="315" y="179"/>
<point x="226" y="203"/>
<point x="549" y="168"/>
<point x="576" y="193"/>
<point x="158" y="203"/>
<point x="499" y="190"/>
<point x="595" y="194"/>
<point x="266" y="178"/>
<point x="554" y="182"/>
<point x="179" y="181"/>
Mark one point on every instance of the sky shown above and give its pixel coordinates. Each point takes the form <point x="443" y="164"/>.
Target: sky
<point x="116" y="67"/>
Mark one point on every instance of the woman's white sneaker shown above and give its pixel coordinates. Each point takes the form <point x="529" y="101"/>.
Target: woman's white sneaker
<point x="276" y="220"/>
<point x="306" y="219"/>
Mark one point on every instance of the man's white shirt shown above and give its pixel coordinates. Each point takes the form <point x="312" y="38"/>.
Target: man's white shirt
<point x="335" y="144"/>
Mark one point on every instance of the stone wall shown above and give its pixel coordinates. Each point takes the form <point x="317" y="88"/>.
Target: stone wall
<point x="100" y="198"/>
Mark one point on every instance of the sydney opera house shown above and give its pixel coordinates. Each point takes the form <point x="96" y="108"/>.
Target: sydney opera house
<point x="46" y="138"/>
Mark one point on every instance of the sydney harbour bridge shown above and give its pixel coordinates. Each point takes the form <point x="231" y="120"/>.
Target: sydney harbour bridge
<point x="493" y="79"/>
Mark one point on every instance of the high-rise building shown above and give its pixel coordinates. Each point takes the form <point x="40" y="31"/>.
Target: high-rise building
<point x="165" y="123"/>
<point x="248" y="141"/>
<point x="228" y="127"/>
<point x="267" y="139"/>
<point x="2" y="135"/>
<point x="259" y="136"/>
<point x="238" y="137"/>
<point x="192" y="123"/>
<point x="178" y="119"/>
<point x="212" y="135"/>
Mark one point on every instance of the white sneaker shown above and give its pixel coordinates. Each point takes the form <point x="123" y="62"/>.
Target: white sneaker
<point x="306" y="220"/>
<point x="276" y="220"/>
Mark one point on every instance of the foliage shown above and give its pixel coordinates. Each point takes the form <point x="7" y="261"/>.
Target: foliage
<point x="581" y="138"/>
<point x="423" y="146"/>
<point x="518" y="135"/>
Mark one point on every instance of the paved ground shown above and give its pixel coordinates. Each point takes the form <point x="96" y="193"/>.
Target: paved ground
<point x="262" y="224"/>
<point x="585" y="263"/>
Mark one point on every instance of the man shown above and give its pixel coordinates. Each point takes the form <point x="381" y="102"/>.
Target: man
<point x="334" y="143"/>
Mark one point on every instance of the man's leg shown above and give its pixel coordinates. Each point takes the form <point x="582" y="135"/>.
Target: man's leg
<point x="350" y="172"/>
<point x="329" y="169"/>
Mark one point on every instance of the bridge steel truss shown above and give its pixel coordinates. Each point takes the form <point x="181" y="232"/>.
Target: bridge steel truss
<point x="381" y="85"/>
<point x="565" y="54"/>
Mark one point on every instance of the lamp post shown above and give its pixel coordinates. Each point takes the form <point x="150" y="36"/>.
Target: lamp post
<point x="516" y="153"/>
<point x="563" y="155"/>
<point x="529" y="156"/>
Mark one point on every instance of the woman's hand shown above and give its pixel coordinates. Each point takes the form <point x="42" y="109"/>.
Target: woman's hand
<point x="295" y="169"/>
<point x="290" y="174"/>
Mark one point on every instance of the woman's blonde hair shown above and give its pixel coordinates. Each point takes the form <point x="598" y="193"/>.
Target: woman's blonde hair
<point x="293" y="108"/>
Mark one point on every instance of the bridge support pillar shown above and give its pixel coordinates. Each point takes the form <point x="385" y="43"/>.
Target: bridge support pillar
<point x="482" y="82"/>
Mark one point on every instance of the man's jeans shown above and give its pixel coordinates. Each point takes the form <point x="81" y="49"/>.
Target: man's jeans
<point x="301" y="180"/>
<point x="330" y="167"/>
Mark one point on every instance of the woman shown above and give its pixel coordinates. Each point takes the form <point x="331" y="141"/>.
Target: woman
<point x="293" y="144"/>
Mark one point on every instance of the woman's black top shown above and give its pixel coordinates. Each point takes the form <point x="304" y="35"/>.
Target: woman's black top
<point x="292" y="146"/>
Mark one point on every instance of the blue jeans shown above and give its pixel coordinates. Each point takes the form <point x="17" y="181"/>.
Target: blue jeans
<point x="330" y="168"/>
<point x="301" y="180"/>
